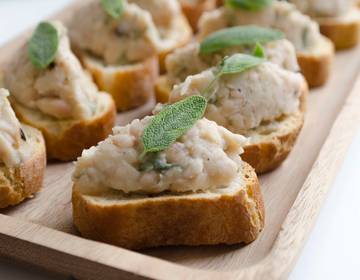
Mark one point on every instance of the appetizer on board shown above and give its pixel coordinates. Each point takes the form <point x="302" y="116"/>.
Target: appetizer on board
<point x="315" y="52"/>
<point x="22" y="157"/>
<point x="119" y="48"/>
<point x="51" y="91"/>
<point x="197" y="57"/>
<point x="339" y="20"/>
<point x="170" y="179"/>
<point x="255" y="98"/>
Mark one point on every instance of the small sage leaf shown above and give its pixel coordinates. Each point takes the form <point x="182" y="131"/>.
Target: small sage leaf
<point x="153" y="161"/>
<point x="113" y="7"/>
<point x="234" y="64"/>
<point x="239" y="63"/>
<point x="172" y="122"/>
<point x="162" y="166"/>
<point x="43" y="45"/>
<point x="250" y="5"/>
<point x="238" y="36"/>
<point x="259" y="51"/>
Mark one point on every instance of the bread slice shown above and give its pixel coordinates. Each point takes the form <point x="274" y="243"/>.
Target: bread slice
<point x="66" y="139"/>
<point x="20" y="182"/>
<point x="316" y="64"/>
<point x="131" y="86"/>
<point x="270" y="144"/>
<point x="226" y="216"/>
<point x="194" y="10"/>
<point x="343" y="31"/>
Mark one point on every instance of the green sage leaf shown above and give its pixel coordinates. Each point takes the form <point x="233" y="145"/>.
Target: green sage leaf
<point x="43" y="45"/>
<point x="152" y="161"/>
<point x="238" y="36"/>
<point x="238" y="63"/>
<point x="234" y="64"/>
<point x="259" y="51"/>
<point x="172" y="122"/>
<point x="250" y="5"/>
<point x="113" y="7"/>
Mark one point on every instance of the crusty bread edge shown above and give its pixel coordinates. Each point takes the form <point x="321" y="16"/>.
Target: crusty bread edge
<point x="228" y="219"/>
<point x="344" y="35"/>
<point x="77" y="135"/>
<point x="267" y="155"/>
<point x="163" y="89"/>
<point x="131" y="86"/>
<point x="316" y="68"/>
<point x="19" y="183"/>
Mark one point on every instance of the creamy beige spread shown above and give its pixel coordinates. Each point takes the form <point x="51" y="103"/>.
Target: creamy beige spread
<point x="188" y="61"/>
<point x="204" y="158"/>
<point x="62" y="91"/>
<point x="10" y="133"/>
<point x="324" y="8"/>
<point x="162" y="11"/>
<point x="169" y="21"/>
<point x="298" y="28"/>
<point x="128" y="39"/>
<point x="243" y="101"/>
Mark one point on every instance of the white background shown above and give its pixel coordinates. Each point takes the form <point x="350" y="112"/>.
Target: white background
<point x="332" y="252"/>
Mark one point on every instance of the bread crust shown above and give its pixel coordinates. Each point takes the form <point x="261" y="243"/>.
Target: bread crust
<point x="65" y="140"/>
<point x="21" y="182"/>
<point x="271" y="150"/>
<point x="193" y="12"/>
<point x="162" y="89"/>
<point x="130" y="86"/>
<point x="316" y="67"/>
<point x="175" y="220"/>
<point x="343" y="33"/>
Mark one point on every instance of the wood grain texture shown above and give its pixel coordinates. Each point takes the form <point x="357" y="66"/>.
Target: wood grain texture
<point x="40" y="231"/>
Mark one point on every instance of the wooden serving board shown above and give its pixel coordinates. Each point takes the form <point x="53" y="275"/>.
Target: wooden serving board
<point x="40" y="231"/>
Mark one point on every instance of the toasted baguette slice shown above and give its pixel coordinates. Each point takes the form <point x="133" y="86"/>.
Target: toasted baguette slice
<point x="227" y="216"/>
<point x="65" y="140"/>
<point x="343" y="31"/>
<point x="316" y="64"/>
<point x="271" y="143"/>
<point x="131" y="86"/>
<point x="193" y="10"/>
<point x="20" y="182"/>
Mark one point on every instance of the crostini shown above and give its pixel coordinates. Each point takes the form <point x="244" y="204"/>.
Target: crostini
<point x="315" y="52"/>
<point x="339" y="20"/>
<point x="51" y="91"/>
<point x="264" y="102"/>
<point x="197" y="57"/>
<point x="193" y="10"/>
<point x="172" y="26"/>
<point x="119" y="50"/>
<point x="22" y="157"/>
<point x="193" y="190"/>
